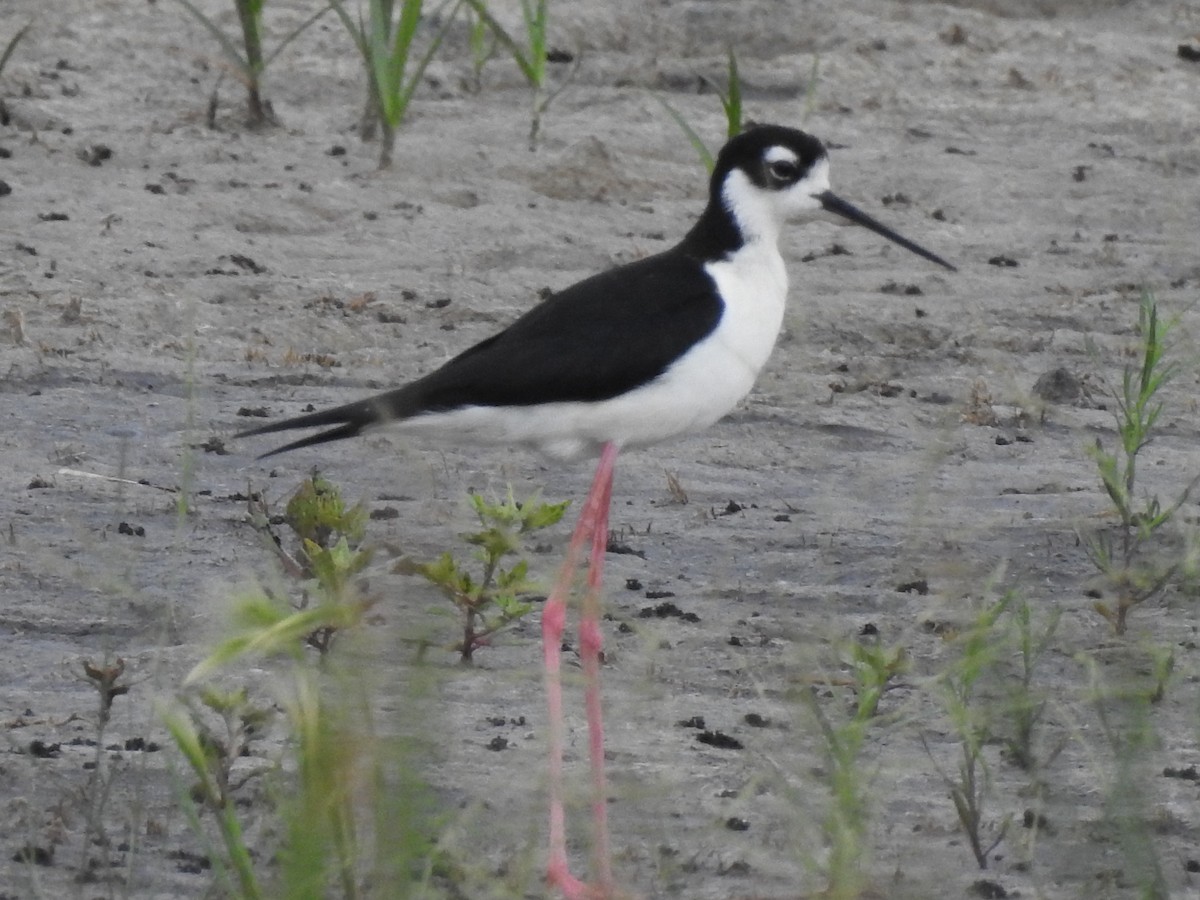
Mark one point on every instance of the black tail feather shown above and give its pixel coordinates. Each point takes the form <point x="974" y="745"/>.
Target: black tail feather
<point x="350" y="429"/>
<point x="350" y="420"/>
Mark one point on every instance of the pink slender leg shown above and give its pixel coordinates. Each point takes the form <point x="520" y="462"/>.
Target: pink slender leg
<point x="558" y="873"/>
<point x="590" y="644"/>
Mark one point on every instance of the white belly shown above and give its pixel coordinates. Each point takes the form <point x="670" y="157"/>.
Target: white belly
<point x="700" y="388"/>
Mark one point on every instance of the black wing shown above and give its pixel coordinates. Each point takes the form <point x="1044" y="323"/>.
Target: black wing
<point x="595" y="340"/>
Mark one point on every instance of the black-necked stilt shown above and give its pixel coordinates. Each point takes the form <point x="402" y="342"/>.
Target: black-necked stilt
<point x="653" y="349"/>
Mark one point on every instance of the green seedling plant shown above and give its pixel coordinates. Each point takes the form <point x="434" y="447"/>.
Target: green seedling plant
<point x="1162" y="667"/>
<point x="482" y="42"/>
<point x="845" y="826"/>
<point x="970" y="787"/>
<point x="1026" y="705"/>
<point x="330" y="756"/>
<point x="326" y="758"/>
<point x="1125" y="556"/>
<point x="1125" y="714"/>
<point x="387" y="44"/>
<point x="211" y="753"/>
<point x="248" y="60"/>
<point x="330" y="556"/>
<point x="494" y="598"/>
<point x="531" y="56"/>
<point x="730" y="95"/>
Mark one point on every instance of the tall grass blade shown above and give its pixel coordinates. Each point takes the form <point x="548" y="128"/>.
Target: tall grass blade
<point x="733" y="101"/>
<point x="295" y="33"/>
<point x="694" y="139"/>
<point x="11" y="46"/>
<point x="230" y="48"/>
<point x="528" y="70"/>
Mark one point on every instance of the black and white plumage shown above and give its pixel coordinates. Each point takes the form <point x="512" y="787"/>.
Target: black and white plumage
<point x="646" y="351"/>
<point x="656" y="348"/>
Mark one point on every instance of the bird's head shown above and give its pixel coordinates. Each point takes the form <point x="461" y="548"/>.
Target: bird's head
<point x="770" y="174"/>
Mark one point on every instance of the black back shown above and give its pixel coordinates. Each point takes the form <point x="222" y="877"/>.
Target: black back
<point x="595" y="340"/>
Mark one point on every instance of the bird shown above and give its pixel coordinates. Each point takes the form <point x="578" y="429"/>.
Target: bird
<point x="650" y="350"/>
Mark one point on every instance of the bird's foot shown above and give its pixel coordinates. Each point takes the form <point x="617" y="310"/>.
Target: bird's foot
<point x="559" y="877"/>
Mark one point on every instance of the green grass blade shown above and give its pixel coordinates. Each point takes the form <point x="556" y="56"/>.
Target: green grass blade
<point x="273" y="634"/>
<point x="396" y="63"/>
<point x="423" y="63"/>
<point x="733" y="100"/>
<point x="295" y="33"/>
<point x="183" y="732"/>
<point x="535" y="17"/>
<point x="694" y="139"/>
<point x="356" y="30"/>
<point x="506" y="40"/>
<point x="250" y="16"/>
<point x="228" y="46"/>
<point x="11" y="46"/>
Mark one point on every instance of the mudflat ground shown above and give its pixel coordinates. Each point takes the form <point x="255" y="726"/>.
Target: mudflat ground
<point x="893" y="473"/>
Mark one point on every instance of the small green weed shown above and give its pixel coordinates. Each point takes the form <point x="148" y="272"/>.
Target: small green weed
<point x="970" y="788"/>
<point x="333" y="756"/>
<point x="482" y="42"/>
<point x="330" y="555"/>
<point x="530" y="55"/>
<point x="1128" y="556"/>
<point x="387" y="45"/>
<point x="493" y="600"/>
<point x="1125" y="713"/>
<point x="1026" y="705"/>
<point x="845" y="826"/>
<point x="211" y="754"/>
<point x="248" y="60"/>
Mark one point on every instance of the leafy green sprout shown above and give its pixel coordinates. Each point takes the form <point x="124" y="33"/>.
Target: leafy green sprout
<point x="1125" y="559"/>
<point x="334" y="754"/>
<point x="494" y="598"/>
<point x="1026" y="706"/>
<point x="969" y="790"/>
<point x="319" y="815"/>
<point x="1124" y="711"/>
<point x="482" y="42"/>
<point x="387" y="45"/>
<point x="211" y="754"/>
<point x="730" y="96"/>
<point x="530" y="55"/>
<point x="845" y="826"/>
<point x="248" y="60"/>
<point x="329" y="560"/>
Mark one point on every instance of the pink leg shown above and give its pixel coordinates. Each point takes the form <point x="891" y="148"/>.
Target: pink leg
<point x="590" y="644"/>
<point x="593" y="522"/>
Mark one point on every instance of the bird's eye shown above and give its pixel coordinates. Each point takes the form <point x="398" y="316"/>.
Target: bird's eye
<point x="783" y="170"/>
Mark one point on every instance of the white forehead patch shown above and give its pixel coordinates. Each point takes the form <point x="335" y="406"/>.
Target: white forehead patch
<point x="779" y="153"/>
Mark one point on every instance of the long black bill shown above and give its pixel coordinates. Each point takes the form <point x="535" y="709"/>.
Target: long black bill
<point x="831" y="202"/>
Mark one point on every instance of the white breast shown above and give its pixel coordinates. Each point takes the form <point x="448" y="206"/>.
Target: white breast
<point x="697" y="390"/>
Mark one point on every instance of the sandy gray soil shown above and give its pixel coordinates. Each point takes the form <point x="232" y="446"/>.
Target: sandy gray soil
<point x="894" y="439"/>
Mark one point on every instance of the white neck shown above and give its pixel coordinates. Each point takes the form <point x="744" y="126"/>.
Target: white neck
<point x="755" y="216"/>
